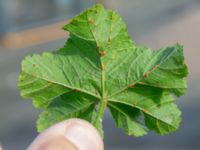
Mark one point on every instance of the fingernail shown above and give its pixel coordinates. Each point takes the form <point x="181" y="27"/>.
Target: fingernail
<point x="83" y="135"/>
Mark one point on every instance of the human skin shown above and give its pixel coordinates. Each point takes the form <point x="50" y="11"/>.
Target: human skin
<point x="72" y="134"/>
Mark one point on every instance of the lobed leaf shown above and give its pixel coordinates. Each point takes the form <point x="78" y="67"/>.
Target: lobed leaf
<point x="100" y="65"/>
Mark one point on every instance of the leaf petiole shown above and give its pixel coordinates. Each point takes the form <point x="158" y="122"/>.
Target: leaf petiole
<point x="103" y="103"/>
<point x="100" y="113"/>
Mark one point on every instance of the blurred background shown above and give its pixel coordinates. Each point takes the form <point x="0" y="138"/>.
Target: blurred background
<point x="33" y="26"/>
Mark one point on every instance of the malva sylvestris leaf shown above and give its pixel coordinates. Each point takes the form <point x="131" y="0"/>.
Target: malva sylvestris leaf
<point x="99" y="67"/>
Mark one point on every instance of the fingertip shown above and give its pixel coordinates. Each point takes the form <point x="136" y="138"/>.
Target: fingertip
<point x="76" y="133"/>
<point x="83" y="135"/>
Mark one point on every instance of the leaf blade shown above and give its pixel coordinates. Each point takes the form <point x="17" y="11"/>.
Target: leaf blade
<point x="154" y="104"/>
<point x="101" y="64"/>
<point x="124" y="120"/>
<point x="70" y="105"/>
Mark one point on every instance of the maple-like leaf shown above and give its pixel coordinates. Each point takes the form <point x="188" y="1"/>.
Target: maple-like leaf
<point x="100" y="66"/>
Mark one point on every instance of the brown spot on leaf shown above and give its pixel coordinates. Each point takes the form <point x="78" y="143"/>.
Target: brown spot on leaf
<point x="145" y="111"/>
<point x="77" y="90"/>
<point x="109" y="40"/>
<point x="49" y="81"/>
<point x="98" y="45"/>
<point x="146" y="74"/>
<point x="131" y="85"/>
<point x="102" y="53"/>
<point x="141" y="83"/>
<point x="156" y="67"/>
<point x="34" y="65"/>
<point x="91" y="21"/>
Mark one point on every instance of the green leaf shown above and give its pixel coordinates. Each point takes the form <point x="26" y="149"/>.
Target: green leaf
<point x="155" y="106"/>
<point x="69" y="105"/>
<point x="101" y="66"/>
<point x="128" y="119"/>
<point x="170" y="73"/>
